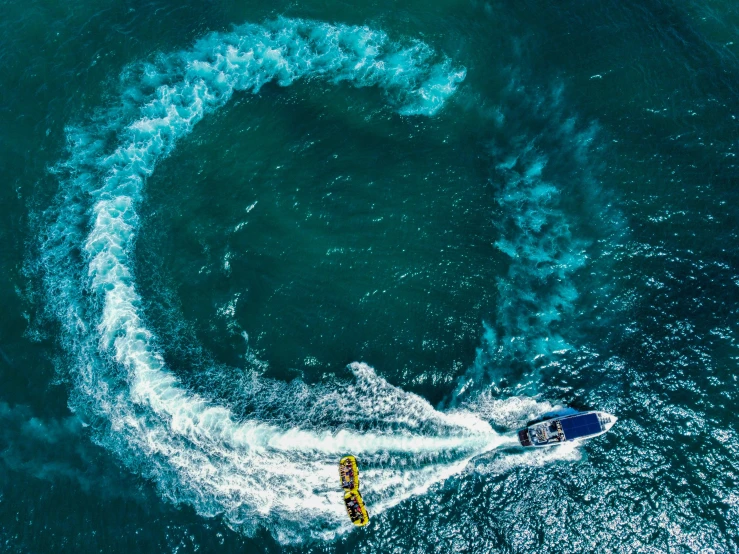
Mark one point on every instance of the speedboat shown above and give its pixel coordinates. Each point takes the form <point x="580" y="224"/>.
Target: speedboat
<point x="554" y="430"/>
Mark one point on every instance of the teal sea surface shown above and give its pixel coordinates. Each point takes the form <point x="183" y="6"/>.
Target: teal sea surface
<point x="240" y="241"/>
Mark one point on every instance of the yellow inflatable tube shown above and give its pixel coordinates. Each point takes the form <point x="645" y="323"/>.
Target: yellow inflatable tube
<point x="355" y="508"/>
<point x="349" y="473"/>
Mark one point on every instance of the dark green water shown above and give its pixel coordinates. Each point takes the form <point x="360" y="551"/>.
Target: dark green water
<point x="535" y="206"/>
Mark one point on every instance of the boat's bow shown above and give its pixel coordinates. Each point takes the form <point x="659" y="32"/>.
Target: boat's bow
<point x="606" y="421"/>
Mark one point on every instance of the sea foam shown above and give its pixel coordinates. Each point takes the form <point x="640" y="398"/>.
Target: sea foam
<point x="280" y="475"/>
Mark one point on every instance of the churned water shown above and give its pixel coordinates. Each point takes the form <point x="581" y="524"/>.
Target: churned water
<point x="240" y="242"/>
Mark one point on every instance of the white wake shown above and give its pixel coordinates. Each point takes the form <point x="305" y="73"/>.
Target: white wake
<point x="255" y="473"/>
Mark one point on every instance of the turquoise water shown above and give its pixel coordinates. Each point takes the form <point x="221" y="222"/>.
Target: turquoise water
<point x="242" y="241"/>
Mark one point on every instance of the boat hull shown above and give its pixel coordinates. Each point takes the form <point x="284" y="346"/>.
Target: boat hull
<point x="571" y="428"/>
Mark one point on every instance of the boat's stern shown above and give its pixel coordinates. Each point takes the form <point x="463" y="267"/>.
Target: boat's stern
<point x="524" y="438"/>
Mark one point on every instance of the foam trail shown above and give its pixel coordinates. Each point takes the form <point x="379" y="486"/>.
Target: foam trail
<point x="253" y="472"/>
<point x="537" y="237"/>
<point x="539" y="457"/>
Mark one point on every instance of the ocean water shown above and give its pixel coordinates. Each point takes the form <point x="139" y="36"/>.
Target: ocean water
<point x="241" y="241"/>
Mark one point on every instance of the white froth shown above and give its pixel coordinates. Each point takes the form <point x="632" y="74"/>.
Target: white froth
<point x="253" y="472"/>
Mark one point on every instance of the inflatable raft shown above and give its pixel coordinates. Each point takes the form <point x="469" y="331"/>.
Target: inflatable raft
<point x="349" y="476"/>
<point x="349" y="473"/>
<point x="355" y="508"/>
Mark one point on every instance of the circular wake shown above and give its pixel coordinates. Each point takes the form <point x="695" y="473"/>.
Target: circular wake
<point x="255" y="473"/>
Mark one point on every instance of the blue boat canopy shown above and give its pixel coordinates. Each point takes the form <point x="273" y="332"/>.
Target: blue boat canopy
<point x="580" y="426"/>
